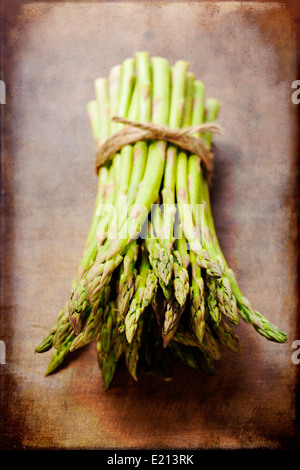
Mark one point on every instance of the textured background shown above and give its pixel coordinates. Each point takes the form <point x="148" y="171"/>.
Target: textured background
<point x="246" y="55"/>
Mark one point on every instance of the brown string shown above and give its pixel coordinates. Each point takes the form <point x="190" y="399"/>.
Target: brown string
<point x="137" y="131"/>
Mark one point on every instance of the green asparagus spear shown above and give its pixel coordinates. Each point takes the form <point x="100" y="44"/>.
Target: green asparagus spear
<point x="59" y="355"/>
<point x="197" y="300"/>
<point x="127" y="278"/>
<point x="132" y="350"/>
<point x="143" y="296"/>
<point x="105" y="351"/>
<point x="47" y="342"/>
<point x="227" y="337"/>
<point x="93" y="322"/>
<point x="181" y="279"/>
<point x="160" y="260"/>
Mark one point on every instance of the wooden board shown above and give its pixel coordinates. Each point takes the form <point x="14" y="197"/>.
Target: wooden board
<point x="246" y="55"/>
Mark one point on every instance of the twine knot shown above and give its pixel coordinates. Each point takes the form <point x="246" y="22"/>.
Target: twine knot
<point x="137" y="131"/>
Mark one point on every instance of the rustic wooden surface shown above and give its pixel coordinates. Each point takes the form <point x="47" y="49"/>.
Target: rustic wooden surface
<point x="246" y="55"/>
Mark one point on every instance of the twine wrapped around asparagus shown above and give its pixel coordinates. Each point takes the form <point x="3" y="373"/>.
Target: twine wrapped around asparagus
<point x="137" y="131"/>
<point x="153" y="284"/>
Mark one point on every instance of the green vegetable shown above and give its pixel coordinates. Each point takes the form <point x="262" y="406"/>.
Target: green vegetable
<point x="153" y="283"/>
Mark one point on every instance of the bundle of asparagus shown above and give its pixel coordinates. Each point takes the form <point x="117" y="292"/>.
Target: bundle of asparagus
<point x="153" y="283"/>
